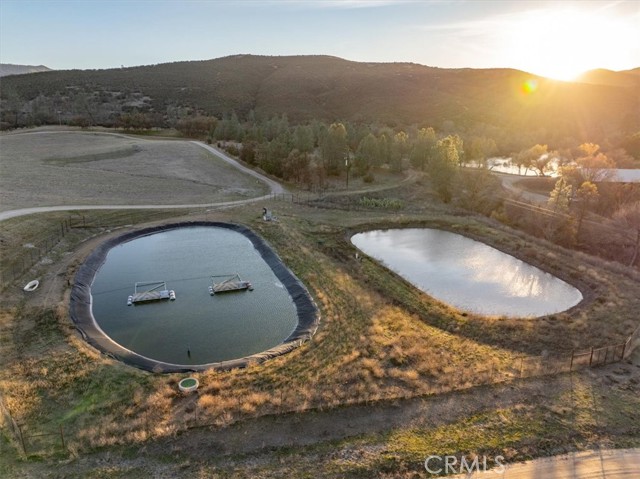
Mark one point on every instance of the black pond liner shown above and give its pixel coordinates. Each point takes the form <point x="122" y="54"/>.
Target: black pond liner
<point x="82" y="315"/>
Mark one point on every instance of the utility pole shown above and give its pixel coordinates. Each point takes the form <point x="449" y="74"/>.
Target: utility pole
<point x="347" y="166"/>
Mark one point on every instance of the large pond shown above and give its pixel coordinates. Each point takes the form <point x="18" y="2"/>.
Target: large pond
<point x="196" y="328"/>
<point x="467" y="274"/>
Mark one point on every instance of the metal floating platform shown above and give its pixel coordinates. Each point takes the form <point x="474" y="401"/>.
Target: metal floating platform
<point x="150" y="291"/>
<point x="232" y="283"/>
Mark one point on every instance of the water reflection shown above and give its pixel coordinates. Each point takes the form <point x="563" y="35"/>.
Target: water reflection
<point x="212" y="329"/>
<point x="467" y="274"/>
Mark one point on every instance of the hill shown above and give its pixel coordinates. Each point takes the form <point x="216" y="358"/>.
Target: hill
<point x="329" y="88"/>
<point x="633" y="71"/>
<point x="7" y="69"/>
<point x="601" y="76"/>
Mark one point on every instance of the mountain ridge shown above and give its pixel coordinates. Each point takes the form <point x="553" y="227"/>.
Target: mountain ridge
<point x="7" y="69"/>
<point x="330" y="88"/>
<point x="603" y="76"/>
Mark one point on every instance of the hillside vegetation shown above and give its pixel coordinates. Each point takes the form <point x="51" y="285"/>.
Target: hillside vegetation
<point x="326" y="88"/>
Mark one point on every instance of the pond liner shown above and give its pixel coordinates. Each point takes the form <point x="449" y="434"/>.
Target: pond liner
<point x="80" y="308"/>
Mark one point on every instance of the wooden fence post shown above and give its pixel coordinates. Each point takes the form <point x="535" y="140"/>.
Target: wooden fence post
<point x="24" y="447"/>
<point x="624" y="346"/>
<point x="571" y="364"/>
<point x="591" y="357"/>
<point x="62" y="437"/>
<point x="521" y="364"/>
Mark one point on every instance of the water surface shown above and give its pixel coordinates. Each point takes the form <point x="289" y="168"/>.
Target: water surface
<point x="467" y="274"/>
<point x="212" y="328"/>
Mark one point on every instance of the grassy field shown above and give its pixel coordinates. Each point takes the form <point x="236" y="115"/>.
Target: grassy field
<point x="383" y="349"/>
<point x="43" y="168"/>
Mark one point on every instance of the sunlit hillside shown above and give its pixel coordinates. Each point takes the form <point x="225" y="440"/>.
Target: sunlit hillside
<point x="329" y="88"/>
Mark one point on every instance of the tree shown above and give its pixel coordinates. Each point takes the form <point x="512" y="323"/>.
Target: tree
<point x="631" y="144"/>
<point x="479" y="148"/>
<point x="537" y="158"/>
<point x="459" y="148"/>
<point x="12" y="104"/>
<point x="594" y="167"/>
<point x="229" y="129"/>
<point x="272" y="156"/>
<point x="627" y="218"/>
<point x="560" y="196"/>
<point x="424" y="148"/>
<point x="197" y="126"/>
<point x="248" y="152"/>
<point x="366" y="153"/>
<point x="384" y="149"/>
<point x="303" y="138"/>
<point x="622" y="159"/>
<point x="134" y="120"/>
<point x="334" y="148"/>
<point x="443" y="169"/>
<point x="560" y="227"/>
<point x="475" y="190"/>
<point x="296" y="167"/>
<point x="399" y="149"/>
<point x="586" y="195"/>
<point x="85" y="105"/>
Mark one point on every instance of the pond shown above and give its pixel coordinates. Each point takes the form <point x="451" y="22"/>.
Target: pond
<point x="466" y="274"/>
<point x="197" y="328"/>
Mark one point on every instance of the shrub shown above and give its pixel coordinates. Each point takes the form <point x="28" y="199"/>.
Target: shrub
<point x="383" y="203"/>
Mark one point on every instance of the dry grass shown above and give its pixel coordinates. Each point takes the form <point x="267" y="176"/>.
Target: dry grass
<point x="372" y="345"/>
<point x="366" y="350"/>
<point x="58" y="168"/>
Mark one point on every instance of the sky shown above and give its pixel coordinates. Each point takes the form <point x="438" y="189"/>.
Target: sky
<point x="558" y="39"/>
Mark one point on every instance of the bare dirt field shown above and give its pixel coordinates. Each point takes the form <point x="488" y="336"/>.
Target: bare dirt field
<point x="69" y="168"/>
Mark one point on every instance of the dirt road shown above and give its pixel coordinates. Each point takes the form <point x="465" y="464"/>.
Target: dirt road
<point x="275" y="187"/>
<point x="509" y="183"/>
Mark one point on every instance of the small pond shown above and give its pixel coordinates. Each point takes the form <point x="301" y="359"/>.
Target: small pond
<point x="196" y="328"/>
<point x="467" y="274"/>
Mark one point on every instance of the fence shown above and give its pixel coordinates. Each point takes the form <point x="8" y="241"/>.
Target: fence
<point x="465" y="378"/>
<point x="632" y="343"/>
<point x="48" y="438"/>
<point x="22" y="259"/>
<point x="32" y="441"/>
<point x="340" y="202"/>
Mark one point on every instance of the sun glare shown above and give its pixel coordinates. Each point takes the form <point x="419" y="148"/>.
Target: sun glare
<point x="562" y="44"/>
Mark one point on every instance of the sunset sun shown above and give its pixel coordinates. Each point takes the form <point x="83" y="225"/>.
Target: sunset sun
<point x="562" y="44"/>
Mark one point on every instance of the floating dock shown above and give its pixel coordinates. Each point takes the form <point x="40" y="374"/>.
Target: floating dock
<point x="232" y="283"/>
<point x="150" y="291"/>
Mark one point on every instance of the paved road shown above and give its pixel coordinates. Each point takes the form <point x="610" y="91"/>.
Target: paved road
<point x="274" y="186"/>
<point x="599" y="464"/>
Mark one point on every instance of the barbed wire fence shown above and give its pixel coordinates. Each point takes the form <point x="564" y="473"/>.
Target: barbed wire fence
<point x="22" y="259"/>
<point x="50" y="438"/>
<point x="41" y="439"/>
